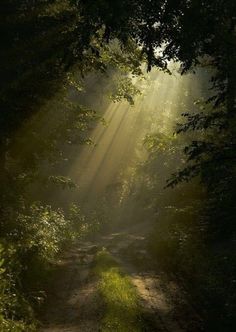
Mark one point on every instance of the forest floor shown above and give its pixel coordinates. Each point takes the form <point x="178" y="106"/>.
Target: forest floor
<point x="74" y="303"/>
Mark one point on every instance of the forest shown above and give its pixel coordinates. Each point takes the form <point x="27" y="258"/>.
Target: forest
<point x="118" y="165"/>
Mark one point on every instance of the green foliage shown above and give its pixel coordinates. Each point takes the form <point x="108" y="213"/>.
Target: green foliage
<point x="125" y="90"/>
<point x="42" y="230"/>
<point x="80" y="225"/>
<point x="38" y="236"/>
<point x="177" y="238"/>
<point x="206" y="272"/>
<point x="62" y="181"/>
<point x="13" y="308"/>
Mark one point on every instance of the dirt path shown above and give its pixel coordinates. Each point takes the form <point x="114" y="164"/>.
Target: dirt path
<point x="73" y="304"/>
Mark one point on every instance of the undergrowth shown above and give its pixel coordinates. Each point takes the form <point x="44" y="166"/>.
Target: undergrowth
<point x="206" y="270"/>
<point x="29" y="246"/>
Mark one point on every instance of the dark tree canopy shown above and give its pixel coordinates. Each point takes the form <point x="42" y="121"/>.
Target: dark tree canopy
<point x="41" y="40"/>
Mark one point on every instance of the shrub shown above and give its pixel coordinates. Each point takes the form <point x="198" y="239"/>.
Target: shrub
<point x="15" y="312"/>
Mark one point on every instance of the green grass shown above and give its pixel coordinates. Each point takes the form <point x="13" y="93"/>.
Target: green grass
<point x="122" y="312"/>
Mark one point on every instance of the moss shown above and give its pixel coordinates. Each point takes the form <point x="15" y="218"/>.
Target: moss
<point x="122" y="311"/>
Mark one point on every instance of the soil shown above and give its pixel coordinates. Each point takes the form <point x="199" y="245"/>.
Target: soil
<point x="73" y="303"/>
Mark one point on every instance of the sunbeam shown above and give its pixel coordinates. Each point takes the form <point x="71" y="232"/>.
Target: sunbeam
<point x="118" y="145"/>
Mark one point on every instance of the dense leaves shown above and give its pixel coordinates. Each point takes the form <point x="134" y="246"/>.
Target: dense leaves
<point x="47" y="48"/>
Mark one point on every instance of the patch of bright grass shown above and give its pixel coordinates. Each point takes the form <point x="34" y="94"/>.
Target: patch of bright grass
<point x="122" y="310"/>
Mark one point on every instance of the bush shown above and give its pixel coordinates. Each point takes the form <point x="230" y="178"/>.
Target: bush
<point x="206" y="270"/>
<point x="42" y="231"/>
<point x="33" y="238"/>
<point x="15" y="312"/>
